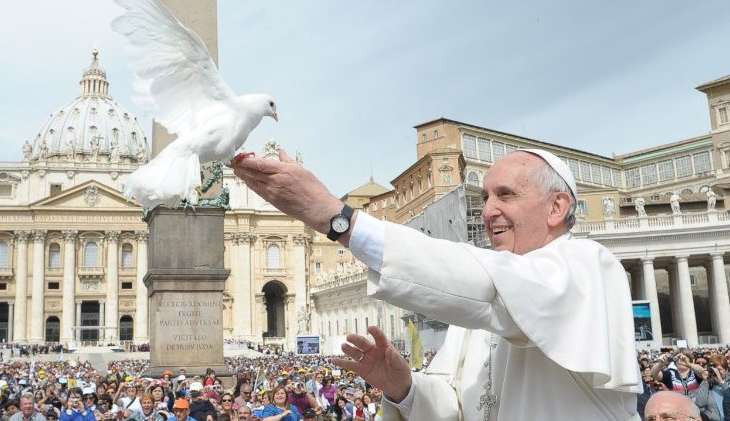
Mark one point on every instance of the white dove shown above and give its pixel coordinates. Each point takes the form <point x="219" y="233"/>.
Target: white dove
<point x="175" y="74"/>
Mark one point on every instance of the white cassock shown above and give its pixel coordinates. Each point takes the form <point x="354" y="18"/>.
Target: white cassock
<point x="560" y="316"/>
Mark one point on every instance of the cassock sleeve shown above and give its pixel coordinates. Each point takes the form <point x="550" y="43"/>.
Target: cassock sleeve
<point x="570" y="298"/>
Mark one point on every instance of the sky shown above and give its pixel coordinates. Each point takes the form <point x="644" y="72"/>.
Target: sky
<point x="352" y="78"/>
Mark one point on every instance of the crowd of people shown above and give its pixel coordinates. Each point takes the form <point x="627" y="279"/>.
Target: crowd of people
<point x="284" y="387"/>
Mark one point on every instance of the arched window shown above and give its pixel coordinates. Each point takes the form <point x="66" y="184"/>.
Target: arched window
<point x="126" y="328"/>
<point x="54" y="255"/>
<point x="473" y="178"/>
<point x="127" y="256"/>
<point x="273" y="257"/>
<point x="53" y="329"/>
<point x="91" y="254"/>
<point x="4" y="254"/>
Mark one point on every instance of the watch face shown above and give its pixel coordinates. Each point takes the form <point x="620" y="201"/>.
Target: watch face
<point x="340" y="224"/>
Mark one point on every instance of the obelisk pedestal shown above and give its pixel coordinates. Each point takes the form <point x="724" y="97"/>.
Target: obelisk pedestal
<point x="185" y="282"/>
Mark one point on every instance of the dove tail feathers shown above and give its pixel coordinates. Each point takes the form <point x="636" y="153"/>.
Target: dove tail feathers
<point x="169" y="178"/>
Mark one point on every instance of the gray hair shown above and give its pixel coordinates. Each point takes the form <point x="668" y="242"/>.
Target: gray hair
<point x="549" y="179"/>
<point x="28" y="397"/>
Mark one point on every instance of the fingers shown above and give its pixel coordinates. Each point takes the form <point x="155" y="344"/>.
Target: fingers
<point x="268" y="166"/>
<point x="284" y="157"/>
<point x="346" y="364"/>
<point x="352" y="352"/>
<point x="380" y="340"/>
<point x="360" y="342"/>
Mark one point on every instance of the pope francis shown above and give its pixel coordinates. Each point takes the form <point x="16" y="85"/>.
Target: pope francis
<point x="541" y="325"/>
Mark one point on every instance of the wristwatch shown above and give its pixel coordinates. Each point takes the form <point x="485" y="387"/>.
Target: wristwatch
<point x="340" y="223"/>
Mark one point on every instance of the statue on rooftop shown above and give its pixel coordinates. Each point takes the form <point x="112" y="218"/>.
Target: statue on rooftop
<point x="674" y="202"/>
<point x="711" y="200"/>
<point x="639" y="205"/>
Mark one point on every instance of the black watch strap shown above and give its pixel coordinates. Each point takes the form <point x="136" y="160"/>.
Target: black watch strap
<point x="346" y="212"/>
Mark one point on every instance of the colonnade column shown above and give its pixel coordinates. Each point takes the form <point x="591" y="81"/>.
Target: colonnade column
<point x="21" y="286"/>
<point x="102" y="317"/>
<point x="241" y="284"/>
<point x="37" y="290"/>
<point x="112" y="286"/>
<point x="687" y="319"/>
<point x="299" y="268"/>
<point x="140" y="319"/>
<point x="637" y="281"/>
<point x="719" y="300"/>
<point x="69" y="286"/>
<point x="259" y="314"/>
<point x="650" y="293"/>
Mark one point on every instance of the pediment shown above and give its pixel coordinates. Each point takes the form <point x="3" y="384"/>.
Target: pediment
<point x="90" y="194"/>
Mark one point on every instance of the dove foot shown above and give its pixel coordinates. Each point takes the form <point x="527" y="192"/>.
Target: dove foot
<point x="241" y="156"/>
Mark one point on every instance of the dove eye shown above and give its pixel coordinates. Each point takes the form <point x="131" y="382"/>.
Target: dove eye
<point x="271" y="104"/>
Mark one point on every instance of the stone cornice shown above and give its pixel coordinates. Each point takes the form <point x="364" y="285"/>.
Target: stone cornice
<point x="70" y="235"/>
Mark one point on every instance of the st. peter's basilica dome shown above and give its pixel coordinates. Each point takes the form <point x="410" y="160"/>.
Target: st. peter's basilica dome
<point x="93" y="127"/>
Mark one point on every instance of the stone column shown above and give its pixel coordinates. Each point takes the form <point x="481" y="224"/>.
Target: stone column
<point x="650" y="294"/>
<point x="259" y="315"/>
<point x="687" y="319"/>
<point x="637" y="281"/>
<point x="77" y="330"/>
<point x="37" y="290"/>
<point x="112" y="286"/>
<point x="299" y="269"/>
<point x="719" y="300"/>
<point x="290" y="322"/>
<point x="21" y="286"/>
<point x="69" y="286"/>
<point x="241" y="284"/>
<point x="140" y="319"/>
<point x="10" y="321"/>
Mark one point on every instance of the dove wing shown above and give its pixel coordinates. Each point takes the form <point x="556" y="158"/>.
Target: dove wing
<point x="173" y="68"/>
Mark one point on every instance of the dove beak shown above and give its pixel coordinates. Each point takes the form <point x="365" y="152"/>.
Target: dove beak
<point x="276" y="117"/>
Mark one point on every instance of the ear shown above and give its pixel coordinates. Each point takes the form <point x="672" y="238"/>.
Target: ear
<point x="559" y="208"/>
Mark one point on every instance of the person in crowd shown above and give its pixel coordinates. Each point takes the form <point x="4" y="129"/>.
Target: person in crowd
<point x="309" y="415"/>
<point x="149" y="412"/>
<point x="130" y="400"/>
<point x="244" y="395"/>
<point x="361" y="413"/>
<point x="201" y="408"/>
<point x="302" y="399"/>
<point x="75" y="410"/>
<point x="226" y="406"/>
<point x="27" y="410"/>
<point x="245" y="413"/>
<point x="328" y="391"/>
<point x="669" y="405"/>
<point x="678" y="373"/>
<point x="280" y="409"/>
<point x="342" y="410"/>
<point x="181" y="411"/>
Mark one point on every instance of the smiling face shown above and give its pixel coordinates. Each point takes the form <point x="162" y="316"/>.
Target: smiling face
<point x="280" y="397"/>
<point x="519" y="215"/>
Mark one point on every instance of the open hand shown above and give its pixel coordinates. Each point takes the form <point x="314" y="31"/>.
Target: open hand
<point x="378" y="363"/>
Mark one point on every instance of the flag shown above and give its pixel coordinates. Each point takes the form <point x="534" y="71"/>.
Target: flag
<point x="416" y="359"/>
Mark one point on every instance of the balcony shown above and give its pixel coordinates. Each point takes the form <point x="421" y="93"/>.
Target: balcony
<point x="91" y="272"/>
<point x="6" y="273"/>
<point x="281" y="272"/>
<point x="654" y="222"/>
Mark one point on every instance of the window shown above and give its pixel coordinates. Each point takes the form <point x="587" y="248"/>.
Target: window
<point x="126" y="328"/>
<point x="54" y="285"/>
<point x="53" y="329"/>
<point x="340" y="252"/>
<point x="470" y="146"/>
<point x="127" y="256"/>
<point x="435" y="134"/>
<point x="666" y="170"/>
<point x="498" y="150"/>
<point x="692" y="280"/>
<point x="633" y="177"/>
<point x="357" y="332"/>
<point x="596" y="173"/>
<point x="126" y="285"/>
<point x="367" y="323"/>
<point x="683" y="166"/>
<point x="337" y="326"/>
<point x="616" y="178"/>
<point x="273" y="257"/>
<point x="607" y="177"/>
<point x="54" y="256"/>
<point x="585" y="171"/>
<point x="91" y="254"/>
<point x="648" y="174"/>
<point x="4" y="254"/>
<point x="485" y="150"/>
<point x="510" y="148"/>
<point x="702" y="163"/>
<point x="6" y="190"/>
<point x="473" y="178"/>
<point x="56" y="189"/>
<point x="317" y="267"/>
<point x="573" y="165"/>
<point x="3" y="286"/>
<point x="722" y="112"/>
<point x="581" y="208"/>
<point x="329" y="324"/>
